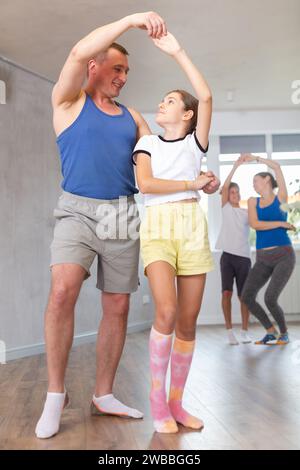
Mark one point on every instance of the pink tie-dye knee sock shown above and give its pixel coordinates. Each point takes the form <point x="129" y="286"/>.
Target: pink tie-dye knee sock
<point x="181" y="359"/>
<point x="160" y="349"/>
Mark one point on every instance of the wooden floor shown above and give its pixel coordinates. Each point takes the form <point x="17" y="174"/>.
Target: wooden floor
<point x="247" y="395"/>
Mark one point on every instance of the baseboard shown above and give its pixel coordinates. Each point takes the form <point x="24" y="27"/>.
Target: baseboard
<point x="89" y="337"/>
<point x="236" y="319"/>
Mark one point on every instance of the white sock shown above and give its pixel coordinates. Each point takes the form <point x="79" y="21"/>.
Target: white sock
<point x="231" y="337"/>
<point x="245" y="338"/>
<point x="108" y="404"/>
<point x="48" y="424"/>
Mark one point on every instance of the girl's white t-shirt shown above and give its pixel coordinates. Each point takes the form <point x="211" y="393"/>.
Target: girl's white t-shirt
<point x="178" y="159"/>
<point x="234" y="233"/>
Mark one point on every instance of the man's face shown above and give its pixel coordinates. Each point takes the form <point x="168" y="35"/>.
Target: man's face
<point x="110" y="74"/>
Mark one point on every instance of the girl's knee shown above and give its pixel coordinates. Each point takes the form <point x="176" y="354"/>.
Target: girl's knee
<point x="165" y="318"/>
<point x="186" y="332"/>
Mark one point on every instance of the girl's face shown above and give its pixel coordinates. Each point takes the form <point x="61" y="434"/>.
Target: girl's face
<point x="234" y="195"/>
<point x="170" y="110"/>
<point x="260" y="184"/>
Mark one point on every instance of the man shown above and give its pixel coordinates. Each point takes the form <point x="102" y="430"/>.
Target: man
<point x="96" y="136"/>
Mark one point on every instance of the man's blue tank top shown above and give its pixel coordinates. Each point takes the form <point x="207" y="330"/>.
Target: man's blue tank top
<point x="96" y="151"/>
<point x="276" y="236"/>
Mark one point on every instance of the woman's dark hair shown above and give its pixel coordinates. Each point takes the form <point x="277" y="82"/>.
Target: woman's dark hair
<point x="190" y="103"/>
<point x="273" y="181"/>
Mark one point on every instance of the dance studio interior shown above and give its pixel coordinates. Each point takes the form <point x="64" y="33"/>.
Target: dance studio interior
<point x="150" y="344"/>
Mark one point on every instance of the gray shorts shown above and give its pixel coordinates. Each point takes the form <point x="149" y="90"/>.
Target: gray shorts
<point x="87" y="227"/>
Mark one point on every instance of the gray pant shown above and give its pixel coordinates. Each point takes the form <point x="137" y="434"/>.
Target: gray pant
<point x="108" y="229"/>
<point x="276" y="264"/>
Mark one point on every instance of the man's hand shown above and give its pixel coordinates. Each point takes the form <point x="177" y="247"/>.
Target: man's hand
<point x="151" y="21"/>
<point x="214" y="184"/>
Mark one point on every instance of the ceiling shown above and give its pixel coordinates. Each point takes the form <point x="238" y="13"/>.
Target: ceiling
<point x="250" y="47"/>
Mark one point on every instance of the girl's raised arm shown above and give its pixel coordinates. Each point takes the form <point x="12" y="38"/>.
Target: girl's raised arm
<point x="170" y="45"/>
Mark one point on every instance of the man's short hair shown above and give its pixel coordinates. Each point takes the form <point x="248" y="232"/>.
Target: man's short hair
<point x="101" y="56"/>
<point x="119" y="48"/>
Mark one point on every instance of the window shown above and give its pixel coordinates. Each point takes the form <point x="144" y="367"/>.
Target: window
<point x="231" y="147"/>
<point x="286" y="143"/>
<point x="286" y="150"/>
<point x="243" y="177"/>
<point x="286" y="156"/>
<point x="236" y="144"/>
<point x="292" y="178"/>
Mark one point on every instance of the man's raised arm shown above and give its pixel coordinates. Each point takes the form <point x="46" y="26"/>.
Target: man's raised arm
<point x="73" y="74"/>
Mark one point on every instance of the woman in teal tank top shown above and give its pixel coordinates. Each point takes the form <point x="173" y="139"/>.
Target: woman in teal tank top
<point x="275" y="256"/>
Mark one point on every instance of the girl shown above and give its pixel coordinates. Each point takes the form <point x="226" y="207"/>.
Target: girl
<point x="174" y="241"/>
<point x="235" y="260"/>
<point x="275" y="257"/>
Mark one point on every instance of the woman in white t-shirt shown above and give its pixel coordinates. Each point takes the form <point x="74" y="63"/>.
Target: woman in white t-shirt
<point x="235" y="261"/>
<point x="174" y="242"/>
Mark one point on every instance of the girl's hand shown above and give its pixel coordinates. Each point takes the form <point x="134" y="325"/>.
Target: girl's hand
<point x="248" y="157"/>
<point x="168" y="44"/>
<point x="201" y="181"/>
<point x="213" y="185"/>
<point x="288" y="226"/>
<point x="240" y="161"/>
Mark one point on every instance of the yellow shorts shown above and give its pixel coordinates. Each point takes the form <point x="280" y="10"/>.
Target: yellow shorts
<point x="176" y="233"/>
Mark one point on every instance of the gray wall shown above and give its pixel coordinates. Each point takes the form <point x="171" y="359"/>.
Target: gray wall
<point x="29" y="187"/>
